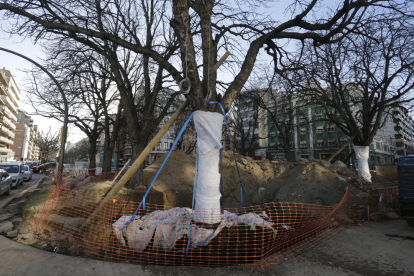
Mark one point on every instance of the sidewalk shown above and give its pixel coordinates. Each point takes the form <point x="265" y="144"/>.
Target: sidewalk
<point x="356" y="251"/>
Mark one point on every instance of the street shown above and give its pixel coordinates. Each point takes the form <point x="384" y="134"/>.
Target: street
<point x="26" y="184"/>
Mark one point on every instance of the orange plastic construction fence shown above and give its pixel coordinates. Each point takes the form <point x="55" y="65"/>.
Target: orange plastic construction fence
<point x="255" y="236"/>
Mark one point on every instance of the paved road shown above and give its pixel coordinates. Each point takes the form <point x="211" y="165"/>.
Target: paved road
<point x="20" y="188"/>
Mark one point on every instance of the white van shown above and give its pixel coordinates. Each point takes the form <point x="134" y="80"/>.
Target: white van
<point x="15" y="170"/>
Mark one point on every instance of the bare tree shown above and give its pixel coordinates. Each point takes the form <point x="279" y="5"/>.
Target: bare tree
<point x="48" y="143"/>
<point x="81" y="150"/>
<point x="87" y="88"/>
<point x="361" y="78"/>
<point x="246" y="118"/>
<point x="199" y="31"/>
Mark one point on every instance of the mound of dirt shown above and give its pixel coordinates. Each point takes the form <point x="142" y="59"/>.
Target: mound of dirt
<point x="305" y="183"/>
<point x="315" y="182"/>
<point x="176" y="180"/>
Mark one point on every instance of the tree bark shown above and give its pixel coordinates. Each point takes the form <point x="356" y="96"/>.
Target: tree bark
<point x="92" y="153"/>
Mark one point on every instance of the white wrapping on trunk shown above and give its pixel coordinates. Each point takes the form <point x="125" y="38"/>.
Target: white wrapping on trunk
<point x="362" y="155"/>
<point x="209" y="129"/>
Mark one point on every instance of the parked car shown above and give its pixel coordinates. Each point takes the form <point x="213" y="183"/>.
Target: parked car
<point x="38" y="168"/>
<point x="27" y="175"/>
<point x="49" y="165"/>
<point x="32" y="163"/>
<point x="5" y="182"/>
<point x="15" y="170"/>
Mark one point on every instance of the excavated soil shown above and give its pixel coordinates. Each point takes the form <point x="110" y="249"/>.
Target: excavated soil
<point x="317" y="182"/>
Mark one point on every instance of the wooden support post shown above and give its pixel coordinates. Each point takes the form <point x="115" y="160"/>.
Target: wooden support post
<point x="138" y="162"/>
<point x="341" y="149"/>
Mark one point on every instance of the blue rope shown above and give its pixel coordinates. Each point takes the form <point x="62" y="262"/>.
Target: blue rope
<point x="242" y="195"/>
<point x="159" y="171"/>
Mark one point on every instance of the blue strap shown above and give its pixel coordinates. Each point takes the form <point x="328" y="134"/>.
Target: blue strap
<point x="242" y="195"/>
<point x="159" y="171"/>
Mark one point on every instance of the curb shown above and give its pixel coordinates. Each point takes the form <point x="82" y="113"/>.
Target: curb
<point x="30" y="188"/>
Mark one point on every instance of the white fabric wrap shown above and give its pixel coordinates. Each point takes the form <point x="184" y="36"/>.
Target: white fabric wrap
<point x="362" y="155"/>
<point x="209" y="131"/>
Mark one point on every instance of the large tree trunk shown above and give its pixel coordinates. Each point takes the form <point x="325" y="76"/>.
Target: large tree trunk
<point x="110" y="139"/>
<point x="208" y="126"/>
<point x="137" y="179"/>
<point x="362" y="155"/>
<point x="92" y="154"/>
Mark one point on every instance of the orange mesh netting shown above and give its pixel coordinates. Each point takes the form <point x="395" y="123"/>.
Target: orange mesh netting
<point x="255" y="236"/>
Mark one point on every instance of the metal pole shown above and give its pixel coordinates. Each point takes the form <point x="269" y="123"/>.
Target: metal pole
<point x="65" y="102"/>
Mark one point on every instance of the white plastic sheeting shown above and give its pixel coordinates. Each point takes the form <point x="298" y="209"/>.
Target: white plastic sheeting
<point x="169" y="226"/>
<point x="362" y="155"/>
<point x="209" y="129"/>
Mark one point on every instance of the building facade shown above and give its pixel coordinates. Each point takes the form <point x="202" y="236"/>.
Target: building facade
<point x="26" y="133"/>
<point x="313" y="137"/>
<point x="9" y="95"/>
<point x="404" y="131"/>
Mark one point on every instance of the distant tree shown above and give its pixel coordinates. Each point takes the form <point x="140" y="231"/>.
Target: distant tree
<point x="81" y="150"/>
<point x="48" y="143"/>
<point x="357" y="81"/>
<point x="246" y="120"/>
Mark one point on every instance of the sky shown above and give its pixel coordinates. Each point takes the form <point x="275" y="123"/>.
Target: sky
<point x="15" y="65"/>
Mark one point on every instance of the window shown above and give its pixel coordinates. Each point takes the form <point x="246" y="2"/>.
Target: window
<point x="171" y="144"/>
<point x="320" y="143"/>
<point x="303" y="144"/>
<point x="319" y="129"/>
<point x="279" y="112"/>
<point x="302" y="119"/>
<point x="331" y="143"/>
<point x="272" y="134"/>
<point x="318" y="116"/>
<point x="165" y="146"/>
<point x="302" y="131"/>
<point x="159" y="146"/>
<point x="372" y="158"/>
<point x="331" y="128"/>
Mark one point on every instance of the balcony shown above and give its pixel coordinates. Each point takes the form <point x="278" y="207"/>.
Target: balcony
<point x="8" y="123"/>
<point x="6" y="111"/>
<point x="8" y="103"/>
<point x="7" y="131"/>
<point x="5" y="150"/>
<point x="6" y="140"/>
<point x="3" y="88"/>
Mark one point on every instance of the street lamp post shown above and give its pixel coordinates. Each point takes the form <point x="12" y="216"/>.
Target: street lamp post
<point x="65" y="102"/>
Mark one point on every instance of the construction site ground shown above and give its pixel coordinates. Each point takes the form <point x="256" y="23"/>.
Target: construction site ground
<point x="356" y="251"/>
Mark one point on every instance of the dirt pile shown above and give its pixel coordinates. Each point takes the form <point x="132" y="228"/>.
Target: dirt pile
<point x="176" y="180"/>
<point x="310" y="182"/>
<point x="317" y="182"/>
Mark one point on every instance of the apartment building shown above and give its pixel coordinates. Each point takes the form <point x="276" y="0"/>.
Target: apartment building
<point x="9" y="95"/>
<point x="313" y="137"/>
<point x="404" y="131"/>
<point x="25" y="136"/>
